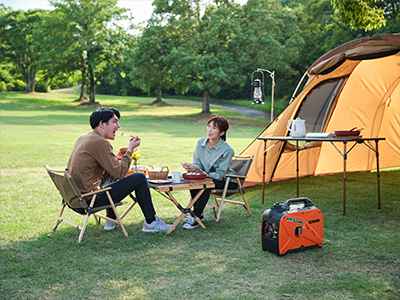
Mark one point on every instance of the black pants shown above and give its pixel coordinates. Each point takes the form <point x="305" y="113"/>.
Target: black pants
<point x="203" y="199"/>
<point x="136" y="182"/>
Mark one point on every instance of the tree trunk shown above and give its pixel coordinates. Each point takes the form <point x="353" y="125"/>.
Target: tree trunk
<point x="83" y="81"/>
<point x="83" y="90"/>
<point x="159" y="100"/>
<point x="30" y="81"/>
<point x="92" y="95"/>
<point x="206" y="102"/>
<point x="90" y="73"/>
<point x="91" y="83"/>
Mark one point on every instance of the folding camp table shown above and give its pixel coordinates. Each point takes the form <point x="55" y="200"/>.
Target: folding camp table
<point x="332" y="140"/>
<point x="167" y="188"/>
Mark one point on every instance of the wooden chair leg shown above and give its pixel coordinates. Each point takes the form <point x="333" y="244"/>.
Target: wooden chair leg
<point x="83" y="228"/>
<point x="97" y="219"/>
<point x="59" y="216"/>
<point x="244" y="197"/>
<point x="216" y="201"/>
<point x="130" y="207"/>
<point x="246" y="205"/>
<point x="86" y="219"/>
<point x="222" y="200"/>
<point x="116" y="214"/>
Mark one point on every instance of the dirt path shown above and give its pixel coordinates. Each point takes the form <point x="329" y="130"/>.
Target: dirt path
<point x="251" y="112"/>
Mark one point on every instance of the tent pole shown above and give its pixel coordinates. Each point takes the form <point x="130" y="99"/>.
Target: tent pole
<point x="272" y="96"/>
<point x="344" y="176"/>
<point x="265" y="158"/>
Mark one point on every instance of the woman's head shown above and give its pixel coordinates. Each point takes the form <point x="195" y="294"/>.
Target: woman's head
<point x="221" y="123"/>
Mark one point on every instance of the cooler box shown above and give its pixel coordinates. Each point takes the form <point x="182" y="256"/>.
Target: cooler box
<point x="294" y="225"/>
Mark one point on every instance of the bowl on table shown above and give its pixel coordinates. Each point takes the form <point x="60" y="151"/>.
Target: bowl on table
<point x="194" y="175"/>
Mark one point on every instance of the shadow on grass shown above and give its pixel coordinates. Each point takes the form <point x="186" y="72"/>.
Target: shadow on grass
<point x="359" y="258"/>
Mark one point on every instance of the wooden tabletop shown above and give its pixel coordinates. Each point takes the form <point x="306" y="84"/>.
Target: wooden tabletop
<point x="184" y="185"/>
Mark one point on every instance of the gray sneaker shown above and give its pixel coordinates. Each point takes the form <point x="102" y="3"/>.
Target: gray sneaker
<point x="156" y="226"/>
<point x="109" y="225"/>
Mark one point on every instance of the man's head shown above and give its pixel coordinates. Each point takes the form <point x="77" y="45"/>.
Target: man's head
<point x="103" y="114"/>
<point x="105" y="122"/>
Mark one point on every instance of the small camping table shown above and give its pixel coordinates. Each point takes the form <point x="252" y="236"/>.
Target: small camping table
<point x="167" y="188"/>
<point x="332" y="140"/>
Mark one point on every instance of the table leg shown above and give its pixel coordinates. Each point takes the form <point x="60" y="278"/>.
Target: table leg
<point x="183" y="214"/>
<point x="377" y="174"/>
<point x="344" y="176"/>
<point x="297" y="167"/>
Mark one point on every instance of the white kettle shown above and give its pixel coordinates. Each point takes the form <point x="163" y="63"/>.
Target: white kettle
<point x="297" y="127"/>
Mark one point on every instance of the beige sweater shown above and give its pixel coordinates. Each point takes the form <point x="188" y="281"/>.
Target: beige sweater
<point x="91" y="156"/>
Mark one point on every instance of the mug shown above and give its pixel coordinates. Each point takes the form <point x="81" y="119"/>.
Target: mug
<point x="176" y="177"/>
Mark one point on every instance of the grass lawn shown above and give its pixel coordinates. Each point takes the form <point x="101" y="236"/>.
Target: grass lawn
<point x="359" y="258"/>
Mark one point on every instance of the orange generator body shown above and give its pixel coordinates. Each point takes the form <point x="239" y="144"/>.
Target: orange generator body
<point x="294" y="225"/>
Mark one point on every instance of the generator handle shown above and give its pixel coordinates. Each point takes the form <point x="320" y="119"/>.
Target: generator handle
<point x="307" y="202"/>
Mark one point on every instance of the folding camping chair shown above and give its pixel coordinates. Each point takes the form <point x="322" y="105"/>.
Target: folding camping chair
<point x="241" y="165"/>
<point x="72" y="197"/>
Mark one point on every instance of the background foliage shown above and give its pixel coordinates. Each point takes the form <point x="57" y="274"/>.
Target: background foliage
<point x="192" y="47"/>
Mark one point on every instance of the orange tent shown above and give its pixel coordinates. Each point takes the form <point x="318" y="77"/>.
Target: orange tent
<point x="354" y="85"/>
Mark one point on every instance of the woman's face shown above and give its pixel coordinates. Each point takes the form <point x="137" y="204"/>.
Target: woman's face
<point x="213" y="131"/>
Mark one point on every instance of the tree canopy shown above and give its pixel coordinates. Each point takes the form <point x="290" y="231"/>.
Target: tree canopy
<point x="204" y="48"/>
<point x="17" y="42"/>
<point x="360" y="13"/>
<point x="90" y="37"/>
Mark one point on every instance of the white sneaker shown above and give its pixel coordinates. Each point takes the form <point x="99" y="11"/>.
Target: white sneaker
<point x="191" y="224"/>
<point x="156" y="226"/>
<point x="189" y="219"/>
<point x="109" y="225"/>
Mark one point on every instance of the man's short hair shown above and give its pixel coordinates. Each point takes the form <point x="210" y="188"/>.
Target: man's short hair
<point x="103" y="114"/>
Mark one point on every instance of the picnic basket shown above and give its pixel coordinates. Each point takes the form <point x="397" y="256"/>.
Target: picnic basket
<point x="157" y="173"/>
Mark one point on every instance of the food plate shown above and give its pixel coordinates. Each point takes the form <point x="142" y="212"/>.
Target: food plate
<point x="193" y="176"/>
<point x="319" y="134"/>
<point x="160" y="181"/>
<point x="347" y="133"/>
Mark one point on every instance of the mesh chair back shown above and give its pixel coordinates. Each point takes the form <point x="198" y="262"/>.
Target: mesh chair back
<point x="241" y="167"/>
<point x="68" y="189"/>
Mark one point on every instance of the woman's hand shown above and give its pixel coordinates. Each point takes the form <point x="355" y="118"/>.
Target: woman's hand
<point x="188" y="167"/>
<point x="191" y="168"/>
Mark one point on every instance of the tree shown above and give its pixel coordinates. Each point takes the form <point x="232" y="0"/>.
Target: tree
<point x="89" y="36"/>
<point x="148" y="59"/>
<point x="205" y="55"/>
<point x="17" y="42"/>
<point x="359" y="13"/>
<point x="273" y="40"/>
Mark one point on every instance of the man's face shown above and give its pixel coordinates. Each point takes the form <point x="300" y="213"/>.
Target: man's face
<point x="111" y="128"/>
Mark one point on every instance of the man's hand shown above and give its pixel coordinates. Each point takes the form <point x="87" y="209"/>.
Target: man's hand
<point x="134" y="143"/>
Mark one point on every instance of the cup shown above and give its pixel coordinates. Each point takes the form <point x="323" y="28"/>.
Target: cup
<point x="176" y="177"/>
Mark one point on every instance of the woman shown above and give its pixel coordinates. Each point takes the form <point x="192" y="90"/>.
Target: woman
<point x="212" y="156"/>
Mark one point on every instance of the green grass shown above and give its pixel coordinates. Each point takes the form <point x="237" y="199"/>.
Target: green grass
<point x="359" y="258"/>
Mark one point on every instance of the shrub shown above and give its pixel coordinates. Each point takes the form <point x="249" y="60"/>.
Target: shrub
<point x="3" y="86"/>
<point x="41" y="87"/>
<point x="19" y="85"/>
<point x="10" y="86"/>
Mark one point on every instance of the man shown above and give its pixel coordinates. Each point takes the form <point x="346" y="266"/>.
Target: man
<point x="92" y="158"/>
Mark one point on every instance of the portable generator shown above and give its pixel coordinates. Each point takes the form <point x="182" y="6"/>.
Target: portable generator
<point x="294" y="225"/>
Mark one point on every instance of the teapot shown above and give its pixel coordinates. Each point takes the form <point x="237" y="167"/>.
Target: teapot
<point x="297" y="127"/>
